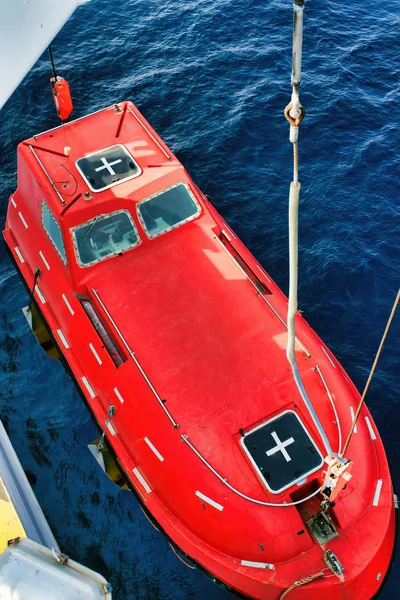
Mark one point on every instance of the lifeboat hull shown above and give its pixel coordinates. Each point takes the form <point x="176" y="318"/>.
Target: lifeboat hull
<point x="177" y="346"/>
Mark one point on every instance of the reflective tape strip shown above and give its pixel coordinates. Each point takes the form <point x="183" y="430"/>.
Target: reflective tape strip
<point x="377" y="494"/>
<point x="370" y="428"/>
<point x="88" y="387"/>
<point x="120" y="398"/>
<point x="328" y="357"/>
<point x="352" y="418"/>
<point x="209" y="501"/>
<point x="40" y="295"/>
<point x="256" y="565"/>
<point x="154" y="449"/>
<point x="111" y="428"/>
<point x="19" y="254"/>
<point x="13" y="202"/>
<point x="46" y="264"/>
<point x="71" y="310"/>
<point x="142" y="480"/>
<point x="21" y="216"/>
<point x="97" y="357"/>
<point x="63" y="338"/>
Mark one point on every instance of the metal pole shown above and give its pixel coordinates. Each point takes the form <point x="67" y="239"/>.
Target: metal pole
<point x="52" y="64"/>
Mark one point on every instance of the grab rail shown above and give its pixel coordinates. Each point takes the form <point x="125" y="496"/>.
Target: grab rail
<point x="233" y="489"/>
<point x="53" y="185"/>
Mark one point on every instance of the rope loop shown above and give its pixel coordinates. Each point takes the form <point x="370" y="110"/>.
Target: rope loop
<point x="295" y="122"/>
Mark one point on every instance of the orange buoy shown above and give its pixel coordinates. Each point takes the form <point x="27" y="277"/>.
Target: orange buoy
<point x="62" y="97"/>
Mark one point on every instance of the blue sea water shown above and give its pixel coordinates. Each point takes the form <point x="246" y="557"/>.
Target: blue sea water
<point x="213" y="77"/>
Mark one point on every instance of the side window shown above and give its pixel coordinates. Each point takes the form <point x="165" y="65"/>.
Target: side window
<point x="53" y="231"/>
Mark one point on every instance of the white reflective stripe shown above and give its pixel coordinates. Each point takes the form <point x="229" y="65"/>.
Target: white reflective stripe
<point x="256" y="565"/>
<point x="370" y="428"/>
<point x="13" y="202"/>
<point x="97" y="357"/>
<point x="328" y="357"/>
<point x="63" y="338"/>
<point x="40" y="295"/>
<point x="111" y="428"/>
<point x="352" y="418"/>
<point x="209" y="501"/>
<point x="71" y="310"/>
<point x="21" y="216"/>
<point x="88" y="387"/>
<point x="44" y="260"/>
<point x="19" y="254"/>
<point x="120" y="398"/>
<point x="377" y="492"/>
<point x="142" y="480"/>
<point x="152" y="447"/>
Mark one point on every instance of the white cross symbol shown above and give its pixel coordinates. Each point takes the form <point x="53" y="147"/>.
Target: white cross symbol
<point x="280" y="446"/>
<point x="107" y="165"/>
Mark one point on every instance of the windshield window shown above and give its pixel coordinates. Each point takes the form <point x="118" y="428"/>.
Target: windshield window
<point x="104" y="236"/>
<point x="168" y="209"/>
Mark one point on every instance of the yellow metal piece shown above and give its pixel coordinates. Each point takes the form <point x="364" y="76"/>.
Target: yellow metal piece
<point x="41" y="334"/>
<point x="112" y="470"/>
<point x="10" y="525"/>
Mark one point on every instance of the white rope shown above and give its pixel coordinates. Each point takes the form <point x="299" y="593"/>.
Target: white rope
<point x="294" y="112"/>
<point x="294" y="197"/>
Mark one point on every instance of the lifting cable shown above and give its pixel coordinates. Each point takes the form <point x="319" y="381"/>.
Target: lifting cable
<point x="384" y="336"/>
<point x="294" y="112"/>
<point x="53" y="68"/>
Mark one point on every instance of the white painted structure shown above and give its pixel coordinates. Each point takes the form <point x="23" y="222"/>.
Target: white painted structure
<point x="26" y="29"/>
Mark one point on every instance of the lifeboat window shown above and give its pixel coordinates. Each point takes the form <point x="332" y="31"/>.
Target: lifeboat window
<point x="104" y="169"/>
<point x="53" y="230"/>
<point x="168" y="209"/>
<point x="104" y="236"/>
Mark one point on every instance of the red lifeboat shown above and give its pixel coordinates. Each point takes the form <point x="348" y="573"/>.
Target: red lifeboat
<point x="175" y="336"/>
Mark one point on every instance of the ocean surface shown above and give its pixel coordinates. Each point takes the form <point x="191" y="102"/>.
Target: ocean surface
<point x="213" y="78"/>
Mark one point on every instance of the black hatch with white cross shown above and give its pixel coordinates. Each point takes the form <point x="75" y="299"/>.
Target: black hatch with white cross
<point x="282" y="451"/>
<point x="106" y="168"/>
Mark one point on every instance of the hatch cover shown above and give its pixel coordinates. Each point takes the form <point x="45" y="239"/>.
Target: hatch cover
<point x="105" y="168"/>
<point x="282" y="451"/>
